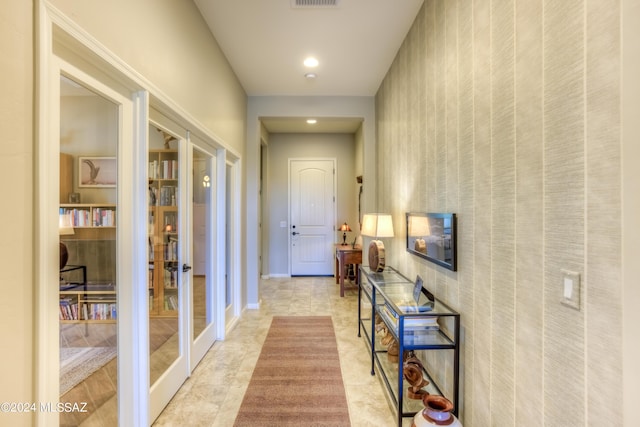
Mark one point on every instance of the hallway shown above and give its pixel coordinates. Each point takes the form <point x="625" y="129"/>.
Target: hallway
<point x="213" y="394"/>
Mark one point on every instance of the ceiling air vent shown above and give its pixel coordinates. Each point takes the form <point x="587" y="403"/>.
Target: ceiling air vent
<point x="298" y="4"/>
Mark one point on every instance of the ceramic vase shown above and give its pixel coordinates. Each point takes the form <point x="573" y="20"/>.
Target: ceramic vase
<point x="437" y="412"/>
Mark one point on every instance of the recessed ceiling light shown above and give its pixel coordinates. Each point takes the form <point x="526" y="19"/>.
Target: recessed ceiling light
<point x="312" y="121"/>
<point x="311" y="62"/>
<point x="311" y="76"/>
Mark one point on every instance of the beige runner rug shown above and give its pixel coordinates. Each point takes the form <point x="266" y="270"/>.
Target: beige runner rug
<point x="297" y="380"/>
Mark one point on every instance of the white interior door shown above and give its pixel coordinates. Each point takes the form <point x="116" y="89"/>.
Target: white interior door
<point x="169" y="282"/>
<point x="312" y="216"/>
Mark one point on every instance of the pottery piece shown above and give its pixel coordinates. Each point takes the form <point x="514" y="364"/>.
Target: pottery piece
<point x="437" y="412"/>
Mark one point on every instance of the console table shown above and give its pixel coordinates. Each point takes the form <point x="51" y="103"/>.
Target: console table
<point x="389" y="295"/>
<point x="345" y="255"/>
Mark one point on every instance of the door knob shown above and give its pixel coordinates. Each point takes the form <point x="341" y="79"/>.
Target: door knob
<point x="295" y="233"/>
<point x="185" y="268"/>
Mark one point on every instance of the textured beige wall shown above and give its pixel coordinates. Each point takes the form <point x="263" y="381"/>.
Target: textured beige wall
<point x="16" y="172"/>
<point x="508" y="113"/>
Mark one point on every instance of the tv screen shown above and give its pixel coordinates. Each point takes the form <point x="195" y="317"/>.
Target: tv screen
<point x="432" y="236"/>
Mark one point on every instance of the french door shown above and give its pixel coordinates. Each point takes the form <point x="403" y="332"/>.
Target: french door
<point x="140" y="261"/>
<point x="203" y="235"/>
<point x="182" y="257"/>
<point x="168" y="261"/>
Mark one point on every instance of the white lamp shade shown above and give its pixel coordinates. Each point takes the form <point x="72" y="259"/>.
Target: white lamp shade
<point x="418" y="226"/>
<point x="377" y="225"/>
<point x="65" y="225"/>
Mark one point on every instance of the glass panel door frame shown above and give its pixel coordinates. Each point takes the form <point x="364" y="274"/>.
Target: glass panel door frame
<point x="164" y="388"/>
<point x="48" y="178"/>
<point x="200" y="344"/>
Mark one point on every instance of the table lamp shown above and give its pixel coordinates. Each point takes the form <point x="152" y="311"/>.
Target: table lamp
<point x="377" y="225"/>
<point x="344" y="228"/>
<point x="419" y="228"/>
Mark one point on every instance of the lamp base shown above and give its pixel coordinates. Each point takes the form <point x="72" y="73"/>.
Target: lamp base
<point x="376" y="256"/>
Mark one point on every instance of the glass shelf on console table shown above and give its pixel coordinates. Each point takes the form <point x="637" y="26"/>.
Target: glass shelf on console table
<point x="427" y="325"/>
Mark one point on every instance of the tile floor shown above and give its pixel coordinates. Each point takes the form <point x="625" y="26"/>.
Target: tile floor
<point x="213" y="394"/>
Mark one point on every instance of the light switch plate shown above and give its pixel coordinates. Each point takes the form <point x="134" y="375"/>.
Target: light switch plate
<point x="570" y="289"/>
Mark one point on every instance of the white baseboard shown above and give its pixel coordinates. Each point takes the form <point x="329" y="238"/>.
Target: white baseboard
<point x="232" y="324"/>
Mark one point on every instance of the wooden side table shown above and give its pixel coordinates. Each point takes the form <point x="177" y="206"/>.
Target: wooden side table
<point x="345" y="255"/>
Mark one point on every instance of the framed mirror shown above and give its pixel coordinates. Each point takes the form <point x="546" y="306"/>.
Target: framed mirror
<point x="432" y="236"/>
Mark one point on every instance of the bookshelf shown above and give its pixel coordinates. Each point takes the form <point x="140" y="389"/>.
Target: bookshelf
<point x="88" y="215"/>
<point x="163" y="233"/>
<point x="89" y="231"/>
<point x="83" y="301"/>
<point x="88" y="303"/>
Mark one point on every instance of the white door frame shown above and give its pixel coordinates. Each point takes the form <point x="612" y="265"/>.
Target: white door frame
<point x="232" y="251"/>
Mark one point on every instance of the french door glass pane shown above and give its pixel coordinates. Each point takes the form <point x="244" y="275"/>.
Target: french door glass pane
<point x="163" y="243"/>
<point x="202" y="253"/>
<point x="87" y="227"/>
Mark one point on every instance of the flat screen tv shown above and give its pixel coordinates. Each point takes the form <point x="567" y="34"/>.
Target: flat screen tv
<point x="432" y="236"/>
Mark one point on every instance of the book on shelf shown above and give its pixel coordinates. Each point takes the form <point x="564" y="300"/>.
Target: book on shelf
<point x="171" y="250"/>
<point x="68" y="308"/>
<point x="168" y="195"/>
<point x="153" y="169"/>
<point x="103" y="217"/>
<point x="85" y="217"/>
<point x="411" y="323"/>
<point x="76" y="217"/>
<point x="170" y="273"/>
<point x="170" y="169"/>
<point x="101" y="311"/>
<point x="412" y="307"/>
<point x="171" y="302"/>
<point x="165" y="169"/>
<point x="151" y="272"/>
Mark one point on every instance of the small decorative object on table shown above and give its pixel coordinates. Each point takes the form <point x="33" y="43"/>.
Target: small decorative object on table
<point x="412" y="370"/>
<point x="344" y="228"/>
<point x="74" y="198"/>
<point x="376" y="226"/>
<point x="437" y="412"/>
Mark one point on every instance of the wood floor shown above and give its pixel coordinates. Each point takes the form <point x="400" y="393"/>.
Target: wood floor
<point x="99" y="390"/>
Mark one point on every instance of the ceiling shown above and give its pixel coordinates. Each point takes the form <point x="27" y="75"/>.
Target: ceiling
<point x="266" y="42"/>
